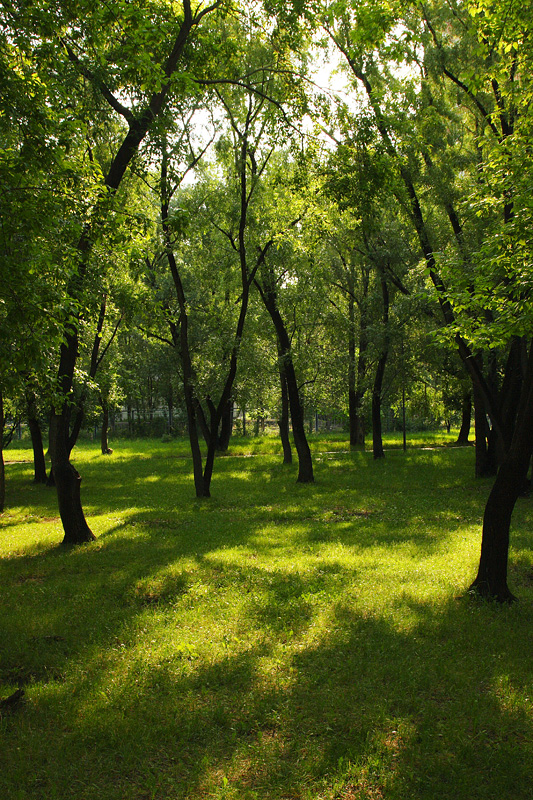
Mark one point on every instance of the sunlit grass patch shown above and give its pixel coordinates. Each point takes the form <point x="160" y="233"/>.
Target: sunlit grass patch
<point x="276" y="641"/>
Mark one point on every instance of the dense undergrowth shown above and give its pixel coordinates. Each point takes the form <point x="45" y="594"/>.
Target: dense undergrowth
<point x="277" y="641"/>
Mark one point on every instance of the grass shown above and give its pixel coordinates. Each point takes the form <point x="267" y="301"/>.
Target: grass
<point x="277" y="641"/>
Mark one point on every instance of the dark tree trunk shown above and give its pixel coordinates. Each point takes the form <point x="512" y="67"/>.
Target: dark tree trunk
<point x="39" y="465"/>
<point x="104" y="444"/>
<point x="483" y="468"/>
<point x="226" y="428"/>
<point x="67" y="479"/>
<point x="491" y="580"/>
<point x="283" y="421"/>
<point x="68" y="484"/>
<point x="356" y="376"/>
<point x="466" y="416"/>
<point x="76" y="427"/>
<point x="2" y="467"/>
<point x="202" y="422"/>
<point x="377" y="440"/>
<point x="305" y="462"/>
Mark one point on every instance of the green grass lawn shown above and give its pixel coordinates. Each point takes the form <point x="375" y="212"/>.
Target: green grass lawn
<point x="277" y="641"/>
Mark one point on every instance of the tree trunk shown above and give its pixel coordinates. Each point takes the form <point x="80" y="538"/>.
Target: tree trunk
<point x="356" y="377"/>
<point x="39" y="464"/>
<point x="104" y="444"/>
<point x="283" y="421"/>
<point x="491" y="579"/>
<point x="68" y="485"/>
<point x="226" y="428"/>
<point x="377" y="440"/>
<point x="483" y="467"/>
<point x="305" y="462"/>
<point x="466" y="416"/>
<point x="67" y="479"/>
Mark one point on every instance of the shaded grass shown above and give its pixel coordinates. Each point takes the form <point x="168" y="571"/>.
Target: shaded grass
<point x="277" y="641"/>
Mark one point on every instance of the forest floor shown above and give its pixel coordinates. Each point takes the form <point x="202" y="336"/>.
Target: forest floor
<point x="276" y="642"/>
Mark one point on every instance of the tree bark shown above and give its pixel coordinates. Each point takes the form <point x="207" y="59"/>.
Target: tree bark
<point x="466" y="416"/>
<point x="104" y="444"/>
<point x="356" y="370"/>
<point x="39" y="464"/>
<point x="283" y="421"/>
<point x="226" y="428"/>
<point x="68" y="484"/>
<point x="66" y="478"/>
<point x="268" y="294"/>
<point x="484" y="466"/>
<point x="377" y="440"/>
<point x="491" y="579"/>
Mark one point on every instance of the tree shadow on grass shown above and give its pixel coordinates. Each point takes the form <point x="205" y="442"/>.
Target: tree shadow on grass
<point x="360" y="708"/>
<point x="157" y="666"/>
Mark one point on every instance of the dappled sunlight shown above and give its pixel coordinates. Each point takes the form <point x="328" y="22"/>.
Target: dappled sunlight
<point x="275" y="641"/>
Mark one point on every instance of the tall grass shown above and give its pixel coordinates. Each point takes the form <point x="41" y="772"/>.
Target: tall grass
<point x="277" y="641"/>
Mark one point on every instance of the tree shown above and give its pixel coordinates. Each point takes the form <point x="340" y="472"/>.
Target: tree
<point x="479" y="312"/>
<point x="134" y="75"/>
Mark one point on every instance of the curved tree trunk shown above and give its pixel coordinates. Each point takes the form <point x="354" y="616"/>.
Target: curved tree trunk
<point x="491" y="579"/>
<point x="269" y="297"/>
<point x="68" y="484"/>
<point x="67" y="479"/>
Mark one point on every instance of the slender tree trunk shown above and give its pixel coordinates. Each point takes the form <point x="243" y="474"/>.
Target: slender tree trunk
<point x="283" y="421"/>
<point x="104" y="444"/>
<point x="356" y="375"/>
<point x="226" y="428"/>
<point x="39" y="464"/>
<point x="353" y="418"/>
<point x="305" y="462"/>
<point x="2" y="467"/>
<point x="377" y="440"/>
<point x="466" y="416"/>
